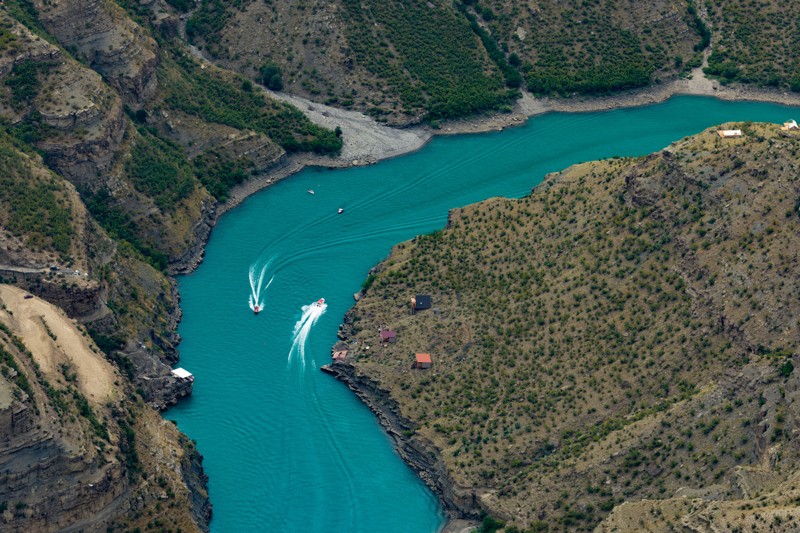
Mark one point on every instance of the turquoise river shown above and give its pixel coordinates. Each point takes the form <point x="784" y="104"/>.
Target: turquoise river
<point x="288" y="448"/>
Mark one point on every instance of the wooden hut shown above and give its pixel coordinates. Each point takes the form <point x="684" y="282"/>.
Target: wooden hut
<point x="388" y="335"/>
<point x="423" y="361"/>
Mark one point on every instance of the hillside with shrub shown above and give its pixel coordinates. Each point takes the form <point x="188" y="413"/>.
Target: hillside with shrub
<point x="622" y="338"/>
<point x="412" y="61"/>
<point x="399" y="62"/>
<point x="755" y="43"/>
<point x="595" y="47"/>
<point x="419" y="60"/>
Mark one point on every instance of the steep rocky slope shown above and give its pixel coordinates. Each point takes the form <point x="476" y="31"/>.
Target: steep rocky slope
<point x="399" y="62"/>
<point x="101" y="34"/>
<point x="418" y="60"/>
<point x="115" y="150"/>
<point x="79" y="449"/>
<point x="620" y="340"/>
<point x="407" y="61"/>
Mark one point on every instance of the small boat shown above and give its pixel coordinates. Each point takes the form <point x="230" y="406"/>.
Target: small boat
<point x="320" y="302"/>
<point x="310" y="191"/>
<point x="341" y="210"/>
<point x="256" y="309"/>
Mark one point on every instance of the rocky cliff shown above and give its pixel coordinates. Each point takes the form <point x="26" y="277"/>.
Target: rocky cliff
<point x="117" y="145"/>
<point x="79" y="449"/>
<point x="100" y="33"/>
<point x="415" y="450"/>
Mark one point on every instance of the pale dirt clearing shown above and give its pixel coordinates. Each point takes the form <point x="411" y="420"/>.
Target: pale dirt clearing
<point x="30" y="319"/>
<point x="365" y="141"/>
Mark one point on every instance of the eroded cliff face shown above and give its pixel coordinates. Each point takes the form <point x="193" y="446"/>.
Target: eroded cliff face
<point x="74" y="118"/>
<point x="78" y="448"/>
<point x="110" y="42"/>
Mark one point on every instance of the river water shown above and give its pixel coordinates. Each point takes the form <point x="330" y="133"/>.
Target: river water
<point x="288" y="448"/>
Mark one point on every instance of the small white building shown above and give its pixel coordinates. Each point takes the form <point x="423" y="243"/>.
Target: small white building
<point x="729" y="134"/>
<point x="791" y="125"/>
<point x="182" y="375"/>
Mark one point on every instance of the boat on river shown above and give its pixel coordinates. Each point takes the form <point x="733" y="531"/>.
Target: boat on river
<point x="320" y="302"/>
<point x="310" y="191"/>
<point x="256" y="309"/>
<point x="341" y="210"/>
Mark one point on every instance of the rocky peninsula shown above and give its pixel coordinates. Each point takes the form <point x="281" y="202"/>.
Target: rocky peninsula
<point x="600" y="345"/>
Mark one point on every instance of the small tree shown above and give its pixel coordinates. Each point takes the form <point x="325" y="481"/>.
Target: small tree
<point x="271" y="76"/>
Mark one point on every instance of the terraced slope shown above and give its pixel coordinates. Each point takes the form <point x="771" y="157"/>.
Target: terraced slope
<point x="628" y="332"/>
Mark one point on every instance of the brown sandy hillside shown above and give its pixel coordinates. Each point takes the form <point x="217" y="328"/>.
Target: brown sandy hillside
<point x="628" y="333"/>
<point x="79" y="448"/>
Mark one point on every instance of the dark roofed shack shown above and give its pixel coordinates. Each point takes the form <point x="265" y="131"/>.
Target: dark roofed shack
<point x="420" y="301"/>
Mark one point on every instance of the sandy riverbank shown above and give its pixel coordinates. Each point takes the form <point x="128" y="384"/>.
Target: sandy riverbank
<point x="367" y="142"/>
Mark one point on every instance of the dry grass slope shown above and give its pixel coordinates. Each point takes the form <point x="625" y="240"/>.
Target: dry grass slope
<point x="627" y="332"/>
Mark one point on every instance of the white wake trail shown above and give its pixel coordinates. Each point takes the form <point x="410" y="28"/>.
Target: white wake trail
<point x="302" y="329"/>
<point x="257" y="284"/>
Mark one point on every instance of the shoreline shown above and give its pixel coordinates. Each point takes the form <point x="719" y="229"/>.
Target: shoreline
<point x="367" y="142"/>
<point x="459" y="504"/>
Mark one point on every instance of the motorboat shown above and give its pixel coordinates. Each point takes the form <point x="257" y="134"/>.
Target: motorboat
<point x="341" y="210"/>
<point x="310" y="191"/>
<point x="256" y="309"/>
<point x="320" y="302"/>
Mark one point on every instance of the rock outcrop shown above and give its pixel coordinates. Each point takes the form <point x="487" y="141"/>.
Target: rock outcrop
<point x="416" y="451"/>
<point x="110" y="42"/>
<point x="77" y="448"/>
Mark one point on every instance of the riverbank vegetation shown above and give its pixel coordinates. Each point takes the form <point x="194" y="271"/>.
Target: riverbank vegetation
<point x="221" y="97"/>
<point x="624" y="333"/>
<point x="594" y="47"/>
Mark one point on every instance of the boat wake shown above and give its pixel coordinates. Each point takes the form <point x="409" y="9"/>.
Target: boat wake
<point x="302" y="328"/>
<point x="257" y="287"/>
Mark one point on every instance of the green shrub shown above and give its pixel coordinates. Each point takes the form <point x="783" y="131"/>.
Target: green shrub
<point x="271" y="76"/>
<point x="435" y="61"/>
<point x="160" y="170"/>
<point x="37" y="210"/>
<point x="24" y="81"/>
<point x="218" y="172"/>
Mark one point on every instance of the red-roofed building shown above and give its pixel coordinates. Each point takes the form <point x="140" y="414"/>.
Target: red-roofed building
<point x="388" y="336"/>
<point x="423" y="361"/>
